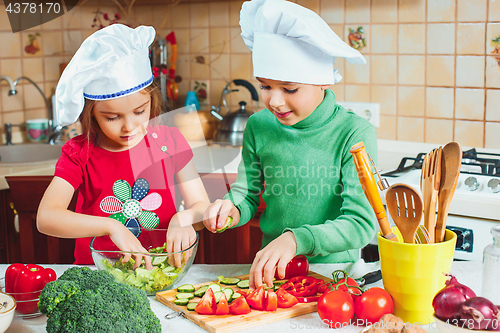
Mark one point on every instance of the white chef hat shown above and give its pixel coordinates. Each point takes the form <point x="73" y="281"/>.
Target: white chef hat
<point x="113" y="62"/>
<point x="292" y="43"/>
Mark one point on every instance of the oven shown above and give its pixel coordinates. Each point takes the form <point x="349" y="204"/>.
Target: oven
<point x="475" y="207"/>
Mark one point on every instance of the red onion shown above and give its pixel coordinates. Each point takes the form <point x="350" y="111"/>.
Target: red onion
<point x="480" y="314"/>
<point x="447" y="302"/>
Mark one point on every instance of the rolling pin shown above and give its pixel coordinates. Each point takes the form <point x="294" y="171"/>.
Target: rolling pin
<point x="369" y="186"/>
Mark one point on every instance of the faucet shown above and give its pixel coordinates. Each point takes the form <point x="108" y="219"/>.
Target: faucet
<point x="54" y="130"/>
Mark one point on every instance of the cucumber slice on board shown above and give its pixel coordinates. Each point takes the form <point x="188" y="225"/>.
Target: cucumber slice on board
<point x="184" y="295"/>
<point x="243" y="284"/>
<point x="191" y="306"/>
<point x="229" y="293"/>
<point x="182" y="301"/>
<point x="230" y="281"/>
<point x="201" y="291"/>
<point x="186" y="288"/>
<point x="217" y="295"/>
<point x="235" y="297"/>
<point x="215" y="287"/>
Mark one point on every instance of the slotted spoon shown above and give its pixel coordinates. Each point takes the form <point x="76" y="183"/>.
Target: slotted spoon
<point x="405" y="206"/>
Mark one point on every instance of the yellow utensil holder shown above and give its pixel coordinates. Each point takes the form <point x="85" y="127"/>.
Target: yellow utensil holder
<point x="413" y="274"/>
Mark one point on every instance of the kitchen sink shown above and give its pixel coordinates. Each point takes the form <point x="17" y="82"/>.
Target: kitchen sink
<point x="29" y="153"/>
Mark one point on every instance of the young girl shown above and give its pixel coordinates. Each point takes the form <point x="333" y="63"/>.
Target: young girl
<point x="124" y="164"/>
<point x="296" y="152"/>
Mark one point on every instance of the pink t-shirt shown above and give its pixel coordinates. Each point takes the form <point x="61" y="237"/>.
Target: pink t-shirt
<point x="136" y="186"/>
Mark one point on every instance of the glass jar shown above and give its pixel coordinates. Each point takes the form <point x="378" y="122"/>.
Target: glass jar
<point x="491" y="268"/>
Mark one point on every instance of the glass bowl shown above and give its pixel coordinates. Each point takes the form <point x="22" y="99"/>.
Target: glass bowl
<point x="27" y="303"/>
<point x="164" y="274"/>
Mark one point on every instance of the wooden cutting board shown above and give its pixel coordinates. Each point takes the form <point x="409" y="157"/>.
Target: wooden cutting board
<point x="232" y="323"/>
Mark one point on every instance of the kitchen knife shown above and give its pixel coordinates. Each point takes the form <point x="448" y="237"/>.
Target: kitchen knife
<point x="369" y="278"/>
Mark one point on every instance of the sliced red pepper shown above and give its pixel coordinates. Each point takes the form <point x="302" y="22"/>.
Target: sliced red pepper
<point x="256" y="298"/>
<point x="239" y="306"/>
<point x="301" y="286"/>
<point x="207" y="305"/>
<point x="26" y="283"/>
<point x="223" y="306"/>
<point x="308" y="299"/>
<point x="271" y="301"/>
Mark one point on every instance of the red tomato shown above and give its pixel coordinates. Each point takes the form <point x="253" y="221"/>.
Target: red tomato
<point x="336" y="308"/>
<point x="207" y="305"/>
<point x="256" y="298"/>
<point x="239" y="306"/>
<point x="353" y="291"/>
<point x="271" y="301"/>
<point x="285" y="300"/>
<point x="373" y="304"/>
<point x="296" y="267"/>
<point x="223" y="306"/>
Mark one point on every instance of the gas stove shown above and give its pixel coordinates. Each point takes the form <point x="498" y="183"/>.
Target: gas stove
<point x="475" y="207"/>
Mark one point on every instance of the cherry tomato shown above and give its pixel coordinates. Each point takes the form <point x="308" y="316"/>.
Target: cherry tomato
<point x="239" y="306"/>
<point x="373" y="304"/>
<point x="296" y="267"/>
<point x="256" y="298"/>
<point x="336" y="308"/>
<point x="207" y="305"/>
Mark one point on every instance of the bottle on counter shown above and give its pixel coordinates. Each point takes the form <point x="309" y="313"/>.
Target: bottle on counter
<point x="491" y="268"/>
<point x="191" y="100"/>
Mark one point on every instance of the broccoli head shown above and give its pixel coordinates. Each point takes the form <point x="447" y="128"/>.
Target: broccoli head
<point x="85" y="300"/>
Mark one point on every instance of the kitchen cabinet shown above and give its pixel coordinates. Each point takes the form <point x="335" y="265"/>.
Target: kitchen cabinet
<point x="234" y="246"/>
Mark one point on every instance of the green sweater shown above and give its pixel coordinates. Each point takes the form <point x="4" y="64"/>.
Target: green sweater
<point x="311" y="185"/>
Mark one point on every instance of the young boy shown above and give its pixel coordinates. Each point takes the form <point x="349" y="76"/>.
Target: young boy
<point x="297" y="150"/>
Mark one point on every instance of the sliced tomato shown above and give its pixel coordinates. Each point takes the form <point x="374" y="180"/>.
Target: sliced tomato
<point x="244" y="292"/>
<point x="207" y="305"/>
<point x="256" y="298"/>
<point x="271" y="301"/>
<point x="308" y="299"/>
<point x="239" y="306"/>
<point x="223" y="306"/>
<point x="285" y="300"/>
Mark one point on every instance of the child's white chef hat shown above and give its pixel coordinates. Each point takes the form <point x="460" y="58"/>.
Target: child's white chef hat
<point x="113" y="62"/>
<point x="292" y="43"/>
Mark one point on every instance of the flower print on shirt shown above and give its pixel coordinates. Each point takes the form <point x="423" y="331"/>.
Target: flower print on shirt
<point x="133" y="206"/>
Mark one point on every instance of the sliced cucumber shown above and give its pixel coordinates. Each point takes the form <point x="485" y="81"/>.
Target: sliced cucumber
<point x="182" y="301"/>
<point x="215" y="287"/>
<point x="171" y="275"/>
<point x="191" y="306"/>
<point x="184" y="295"/>
<point x="201" y="291"/>
<point x="230" y="281"/>
<point x="235" y="297"/>
<point x="229" y="220"/>
<point x="158" y="260"/>
<point x="229" y="293"/>
<point x="243" y="284"/>
<point x="168" y="269"/>
<point x="217" y="295"/>
<point x="186" y="288"/>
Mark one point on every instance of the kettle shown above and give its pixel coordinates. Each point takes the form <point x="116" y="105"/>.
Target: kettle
<point x="233" y="124"/>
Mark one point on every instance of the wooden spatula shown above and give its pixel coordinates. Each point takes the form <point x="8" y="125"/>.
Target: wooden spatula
<point x="405" y="207"/>
<point x="429" y="184"/>
<point x="450" y="170"/>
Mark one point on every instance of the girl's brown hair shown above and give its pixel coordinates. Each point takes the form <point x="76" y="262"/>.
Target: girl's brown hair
<point x="90" y="126"/>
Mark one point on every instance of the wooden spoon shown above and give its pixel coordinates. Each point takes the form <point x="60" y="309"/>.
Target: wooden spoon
<point x="450" y="170"/>
<point x="405" y="207"/>
<point x="429" y="184"/>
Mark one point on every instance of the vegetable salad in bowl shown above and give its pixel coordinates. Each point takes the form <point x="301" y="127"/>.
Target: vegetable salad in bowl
<point x="164" y="275"/>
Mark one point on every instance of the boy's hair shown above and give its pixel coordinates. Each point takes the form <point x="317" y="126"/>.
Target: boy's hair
<point x="90" y="126"/>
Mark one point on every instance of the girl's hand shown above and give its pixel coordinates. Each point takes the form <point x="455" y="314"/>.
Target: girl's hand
<point x="217" y="213"/>
<point x="178" y="239"/>
<point x="126" y="241"/>
<point x="277" y="253"/>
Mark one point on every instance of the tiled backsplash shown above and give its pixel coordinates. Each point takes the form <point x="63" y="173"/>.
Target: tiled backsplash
<point x="430" y="63"/>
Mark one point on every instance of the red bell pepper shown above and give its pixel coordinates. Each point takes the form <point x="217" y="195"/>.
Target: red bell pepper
<point x="25" y="284"/>
<point x="301" y="286"/>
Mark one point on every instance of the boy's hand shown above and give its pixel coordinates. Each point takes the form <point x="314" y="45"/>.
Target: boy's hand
<point x="277" y="253"/>
<point x="126" y="241"/>
<point x="217" y="213"/>
<point x="178" y="239"/>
